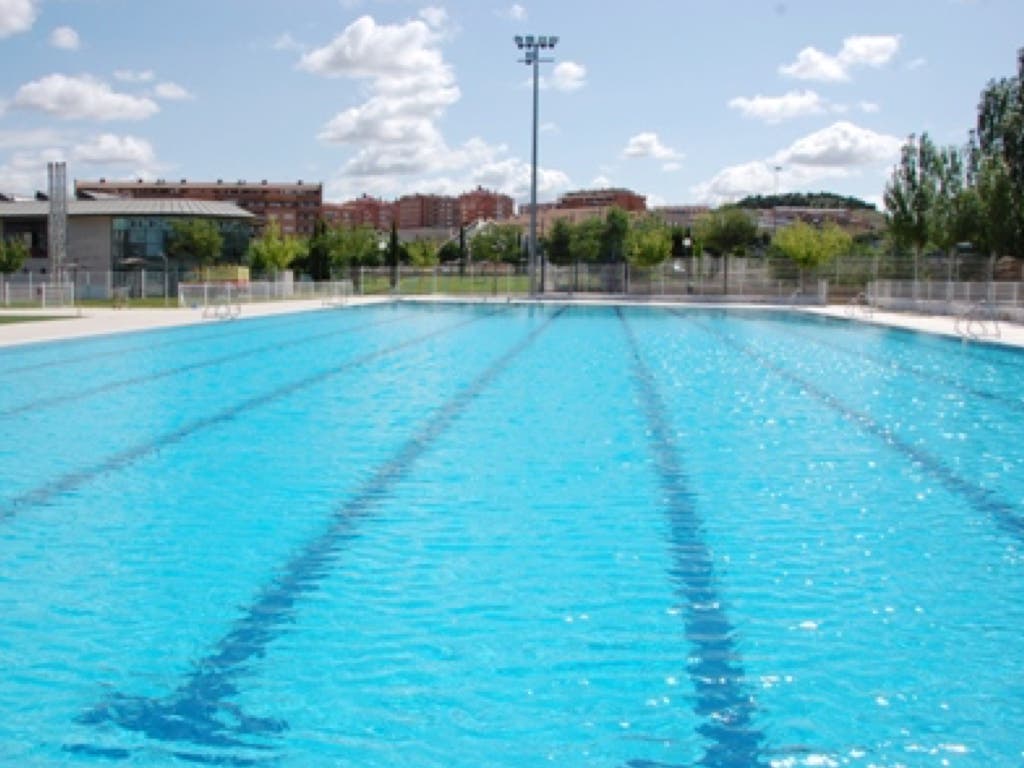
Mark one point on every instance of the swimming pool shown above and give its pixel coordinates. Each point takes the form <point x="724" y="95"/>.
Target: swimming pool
<point x="463" y="535"/>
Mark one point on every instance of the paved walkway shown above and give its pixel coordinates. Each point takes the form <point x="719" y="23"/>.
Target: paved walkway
<point x="1008" y="334"/>
<point x="93" y="322"/>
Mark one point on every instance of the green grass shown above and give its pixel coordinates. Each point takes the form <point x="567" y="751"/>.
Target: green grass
<point x="7" y="319"/>
<point x="480" y="285"/>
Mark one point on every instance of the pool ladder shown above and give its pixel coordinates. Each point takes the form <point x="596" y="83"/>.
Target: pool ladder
<point x="979" y="321"/>
<point x="860" y="306"/>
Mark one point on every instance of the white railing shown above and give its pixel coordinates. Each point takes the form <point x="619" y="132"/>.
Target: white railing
<point x="1004" y="299"/>
<point x="27" y="292"/>
<point x="203" y="295"/>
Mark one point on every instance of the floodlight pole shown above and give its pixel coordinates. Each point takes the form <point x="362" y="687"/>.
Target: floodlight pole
<point x="532" y="46"/>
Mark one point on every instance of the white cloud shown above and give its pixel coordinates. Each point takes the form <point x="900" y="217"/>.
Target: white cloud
<point x="812" y="64"/>
<point x="82" y="98"/>
<point x="775" y="109"/>
<point x="436" y="17"/>
<point x="133" y="76"/>
<point x="917" y="63"/>
<point x="869" y="50"/>
<point x="285" y="42"/>
<point x="857" y="50"/>
<point x="869" y="107"/>
<point x="171" y="92"/>
<point x="841" y="144"/>
<point x="515" y="12"/>
<point x="649" y="145"/>
<point x="41" y="137"/>
<point x="108" y="148"/>
<point x="566" y="76"/>
<point x="65" y="38"/>
<point x="17" y="16"/>
<point x="601" y="182"/>
<point x="410" y="88"/>
<point x="671" y="167"/>
<point x="838" y="151"/>
<point x="368" y="50"/>
<point x="736" y="181"/>
<point x="25" y="172"/>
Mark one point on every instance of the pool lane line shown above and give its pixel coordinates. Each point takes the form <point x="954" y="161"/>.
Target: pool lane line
<point x="950" y="381"/>
<point x="982" y="499"/>
<point x="124" y="458"/>
<point x="196" y="710"/>
<point x="714" y="666"/>
<point x="237" y="329"/>
<point x="102" y="389"/>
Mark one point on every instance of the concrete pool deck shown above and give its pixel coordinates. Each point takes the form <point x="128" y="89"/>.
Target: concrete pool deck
<point x="90" y="321"/>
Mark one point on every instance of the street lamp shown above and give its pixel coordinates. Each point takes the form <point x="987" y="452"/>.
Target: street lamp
<point x="532" y="47"/>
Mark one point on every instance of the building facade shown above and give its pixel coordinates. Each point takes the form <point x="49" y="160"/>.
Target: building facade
<point x="117" y="235"/>
<point x="422" y="211"/>
<point x="625" y="199"/>
<point x="483" y="204"/>
<point x="364" y="211"/>
<point x="295" y="207"/>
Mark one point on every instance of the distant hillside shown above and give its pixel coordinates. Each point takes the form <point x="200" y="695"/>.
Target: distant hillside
<point x="803" y="200"/>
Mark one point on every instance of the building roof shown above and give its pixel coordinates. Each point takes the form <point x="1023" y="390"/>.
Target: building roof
<point x="129" y="207"/>
<point x="114" y="184"/>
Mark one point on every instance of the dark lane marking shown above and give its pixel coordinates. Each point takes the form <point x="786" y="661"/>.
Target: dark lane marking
<point x="238" y="329"/>
<point x="121" y="459"/>
<point x="715" y="666"/>
<point x="890" y="365"/>
<point x="983" y="500"/>
<point x="81" y="394"/>
<point x="197" y="711"/>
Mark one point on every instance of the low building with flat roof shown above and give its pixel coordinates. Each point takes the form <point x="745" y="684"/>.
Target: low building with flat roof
<point x="105" y="236"/>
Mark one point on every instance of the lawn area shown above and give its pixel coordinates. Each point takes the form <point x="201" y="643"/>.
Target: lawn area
<point x="6" y="319"/>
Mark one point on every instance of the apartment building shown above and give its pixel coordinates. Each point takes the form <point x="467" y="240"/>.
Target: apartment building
<point x="295" y="206"/>
<point x="484" y="204"/>
<point x="625" y="199"/>
<point x="363" y="211"/>
<point x="420" y="211"/>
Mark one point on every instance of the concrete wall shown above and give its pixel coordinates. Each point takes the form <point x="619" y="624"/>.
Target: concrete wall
<point x="89" y="243"/>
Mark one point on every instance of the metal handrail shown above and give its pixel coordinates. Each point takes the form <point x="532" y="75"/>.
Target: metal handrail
<point x="860" y="306"/>
<point x="979" y="321"/>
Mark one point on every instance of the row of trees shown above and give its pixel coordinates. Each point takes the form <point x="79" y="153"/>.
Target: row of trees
<point x="939" y="197"/>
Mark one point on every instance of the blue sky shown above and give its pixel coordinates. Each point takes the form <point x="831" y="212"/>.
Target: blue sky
<point x="685" y="102"/>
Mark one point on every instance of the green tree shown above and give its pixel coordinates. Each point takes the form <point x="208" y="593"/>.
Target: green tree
<point x="423" y="253"/>
<point x="585" y="240"/>
<point x="726" y="231"/>
<point x="613" y="236"/>
<point x="12" y="255"/>
<point x="195" y="240"/>
<point x="317" y="260"/>
<point x="274" y="251"/>
<point x="955" y="214"/>
<point x="809" y="247"/>
<point x="999" y="162"/>
<point x="558" y="242"/>
<point x="449" y="252"/>
<point x="648" y="243"/>
<point x="496" y="243"/>
<point x="910" y="196"/>
<point x="998" y="206"/>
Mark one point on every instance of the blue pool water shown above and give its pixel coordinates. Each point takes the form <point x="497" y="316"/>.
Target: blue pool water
<point x="464" y="536"/>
